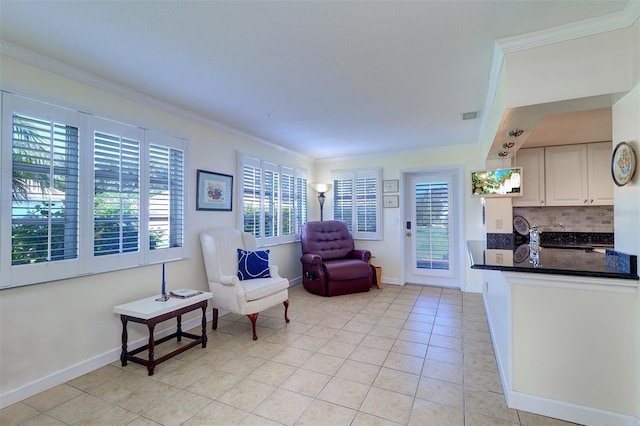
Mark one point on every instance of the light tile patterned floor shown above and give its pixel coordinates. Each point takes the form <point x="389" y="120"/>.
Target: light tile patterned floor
<point x="407" y="355"/>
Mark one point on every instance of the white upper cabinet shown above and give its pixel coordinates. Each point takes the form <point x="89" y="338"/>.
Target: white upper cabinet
<point x="566" y="174"/>
<point x="533" y="192"/>
<point x="599" y="176"/>
<point x="578" y="175"/>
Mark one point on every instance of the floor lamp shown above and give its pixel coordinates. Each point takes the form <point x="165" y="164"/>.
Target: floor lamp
<point x="321" y="188"/>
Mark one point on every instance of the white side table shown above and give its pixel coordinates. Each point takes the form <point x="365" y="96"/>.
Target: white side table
<point x="149" y="311"/>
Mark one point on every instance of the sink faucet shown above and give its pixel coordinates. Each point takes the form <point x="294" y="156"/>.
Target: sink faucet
<point x="559" y="225"/>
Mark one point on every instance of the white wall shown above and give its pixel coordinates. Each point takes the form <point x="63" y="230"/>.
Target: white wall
<point x="571" y="70"/>
<point x="57" y="326"/>
<point x="626" y="127"/>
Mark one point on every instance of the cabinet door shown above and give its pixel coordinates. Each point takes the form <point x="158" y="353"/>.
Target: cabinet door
<point x="532" y="162"/>
<point x="566" y="175"/>
<point x="599" y="174"/>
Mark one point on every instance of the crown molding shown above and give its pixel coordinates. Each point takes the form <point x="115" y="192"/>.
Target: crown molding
<point x="49" y="64"/>
<point x="613" y="21"/>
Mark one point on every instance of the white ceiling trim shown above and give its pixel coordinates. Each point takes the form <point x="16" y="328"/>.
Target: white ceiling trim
<point x="584" y="28"/>
<point x="494" y="77"/>
<point x="48" y="64"/>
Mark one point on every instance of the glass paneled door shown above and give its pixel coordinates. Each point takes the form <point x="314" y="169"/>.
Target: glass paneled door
<point x="431" y="229"/>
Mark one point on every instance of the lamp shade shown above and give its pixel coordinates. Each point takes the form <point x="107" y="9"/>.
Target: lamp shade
<point x="321" y="187"/>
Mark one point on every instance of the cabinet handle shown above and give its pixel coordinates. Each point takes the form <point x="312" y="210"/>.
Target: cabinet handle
<point x="585" y="201"/>
<point x="591" y="201"/>
<point x="541" y="201"/>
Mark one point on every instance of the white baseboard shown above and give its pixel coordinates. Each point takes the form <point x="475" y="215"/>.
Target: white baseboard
<point x="86" y="366"/>
<point x="502" y="368"/>
<point x="392" y="281"/>
<point x="473" y="289"/>
<point x="567" y="411"/>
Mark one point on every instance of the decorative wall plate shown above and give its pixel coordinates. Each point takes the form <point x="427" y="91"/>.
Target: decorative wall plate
<point x="623" y="163"/>
<point x="521" y="225"/>
<point x="521" y="253"/>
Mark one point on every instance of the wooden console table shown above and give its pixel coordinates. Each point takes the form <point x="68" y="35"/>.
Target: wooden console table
<point x="149" y="311"/>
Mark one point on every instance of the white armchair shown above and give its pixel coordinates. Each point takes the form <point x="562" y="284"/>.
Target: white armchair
<point x="249" y="296"/>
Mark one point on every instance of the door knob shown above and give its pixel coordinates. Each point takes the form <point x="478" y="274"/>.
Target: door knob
<point x="408" y="234"/>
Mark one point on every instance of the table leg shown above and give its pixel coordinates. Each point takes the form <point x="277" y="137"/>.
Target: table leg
<point x="179" y="328"/>
<point x="204" y="325"/>
<point x="151" y="363"/>
<point x="123" y="354"/>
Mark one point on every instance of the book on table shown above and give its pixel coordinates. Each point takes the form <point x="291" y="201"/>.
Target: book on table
<point x="184" y="293"/>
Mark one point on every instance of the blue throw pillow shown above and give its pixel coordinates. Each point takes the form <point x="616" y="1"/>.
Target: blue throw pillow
<point x="253" y="264"/>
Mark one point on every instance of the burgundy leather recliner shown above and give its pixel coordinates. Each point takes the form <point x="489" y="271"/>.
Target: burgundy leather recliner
<point x="330" y="264"/>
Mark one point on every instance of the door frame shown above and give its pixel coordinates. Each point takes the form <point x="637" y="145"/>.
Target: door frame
<point x="457" y="172"/>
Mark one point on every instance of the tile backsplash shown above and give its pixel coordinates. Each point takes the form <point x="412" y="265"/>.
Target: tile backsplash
<point x="574" y="219"/>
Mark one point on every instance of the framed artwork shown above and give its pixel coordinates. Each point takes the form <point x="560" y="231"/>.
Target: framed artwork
<point x="214" y="191"/>
<point x="390" y="201"/>
<point x="390" y="185"/>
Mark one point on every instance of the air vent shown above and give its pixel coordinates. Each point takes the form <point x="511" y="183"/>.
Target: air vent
<point x="470" y="115"/>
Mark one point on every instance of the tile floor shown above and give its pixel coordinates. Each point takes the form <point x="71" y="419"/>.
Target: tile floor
<point x="407" y="355"/>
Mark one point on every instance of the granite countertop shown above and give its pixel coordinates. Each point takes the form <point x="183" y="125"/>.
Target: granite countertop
<point x="590" y="261"/>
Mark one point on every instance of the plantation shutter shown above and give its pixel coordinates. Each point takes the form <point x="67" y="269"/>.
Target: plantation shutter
<point x="343" y="199"/>
<point x="432" y="215"/>
<point x="366" y="204"/>
<point x="251" y="198"/>
<point x="301" y="200"/>
<point x="44" y="211"/>
<point x="356" y="201"/>
<point x="166" y="197"/>
<point x="87" y="194"/>
<point x="287" y="199"/>
<point x="116" y="209"/>
<point x="271" y="200"/>
<point x="274" y="203"/>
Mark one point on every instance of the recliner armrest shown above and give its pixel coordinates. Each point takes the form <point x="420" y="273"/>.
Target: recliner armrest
<point x="363" y="255"/>
<point x="311" y="259"/>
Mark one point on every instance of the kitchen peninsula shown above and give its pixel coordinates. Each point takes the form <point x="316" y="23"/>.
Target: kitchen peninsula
<point x="576" y="260"/>
<point x="565" y="332"/>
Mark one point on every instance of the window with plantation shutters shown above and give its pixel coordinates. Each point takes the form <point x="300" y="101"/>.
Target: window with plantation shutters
<point x="356" y="201"/>
<point x="274" y="204"/>
<point x="432" y="225"/>
<point x="44" y="173"/>
<point x="116" y="194"/>
<point x="87" y="194"/>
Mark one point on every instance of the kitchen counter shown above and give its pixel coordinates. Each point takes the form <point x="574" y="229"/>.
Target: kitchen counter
<point x="564" y="260"/>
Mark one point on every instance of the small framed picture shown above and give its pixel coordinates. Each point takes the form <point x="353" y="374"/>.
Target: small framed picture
<point x="214" y="191"/>
<point x="390" y="201"/>
<point x="390" y="185"/>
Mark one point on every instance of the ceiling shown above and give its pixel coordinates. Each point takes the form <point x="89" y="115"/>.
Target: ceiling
<point x="327" y="79"/>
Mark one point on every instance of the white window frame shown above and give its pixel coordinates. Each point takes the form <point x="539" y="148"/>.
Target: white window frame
<point x="280" y="169"/>
<point x="86" y="263"/>
<point x="354" y="176"/>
